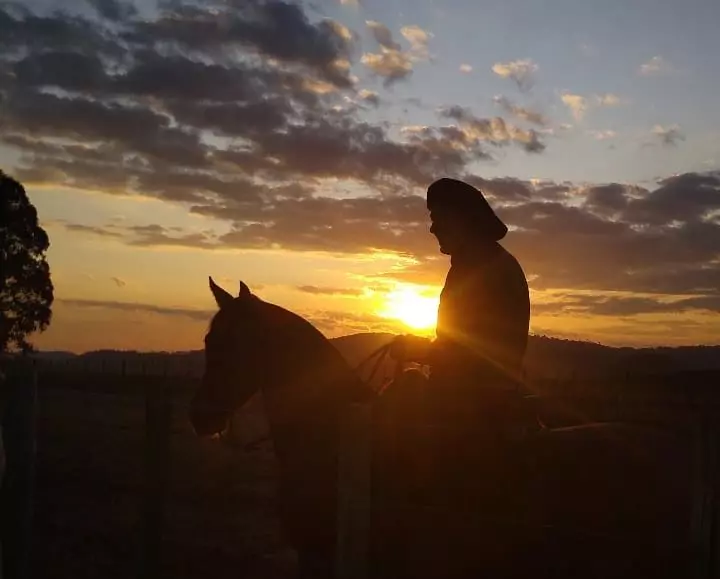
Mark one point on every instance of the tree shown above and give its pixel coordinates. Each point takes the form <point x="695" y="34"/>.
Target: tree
<point x="26" y="291"/>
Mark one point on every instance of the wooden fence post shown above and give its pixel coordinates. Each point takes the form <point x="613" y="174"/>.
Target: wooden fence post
<point x="354" y="493"/>
<point x="706" y="507"/>
<point x="16" y="494"/>
<point x="158" y="422"/>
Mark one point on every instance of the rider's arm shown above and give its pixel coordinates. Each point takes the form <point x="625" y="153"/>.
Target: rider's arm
<point x="409" y="348"/>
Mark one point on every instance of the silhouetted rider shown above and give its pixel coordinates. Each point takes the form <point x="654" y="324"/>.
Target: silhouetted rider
<point x="484" y="312"/>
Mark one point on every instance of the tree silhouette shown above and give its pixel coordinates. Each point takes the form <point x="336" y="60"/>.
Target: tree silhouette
<point x="26" y="292"/>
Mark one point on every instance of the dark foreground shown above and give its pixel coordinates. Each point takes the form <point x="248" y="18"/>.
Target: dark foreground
<point x="220" y="519"/>
<point x="220" y="513"/>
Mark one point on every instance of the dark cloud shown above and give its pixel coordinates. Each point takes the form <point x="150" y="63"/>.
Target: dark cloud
<point x="504" y="189"/>
<point x="680" y="198"/>
<point x="607" y="199"/>
<point x="152" y="235"/>
<point x="69" y="70"/>
<point x="559" y="245"/>
<point x="181" y="78"/>
<point x="324" y="224"/>
<point x="551" y="218"/>
<point x="94" y="230"/>
<point x="200" y="315"/>
<point x="114" y="10"/>
<point x="271" y="28"/>
<point x="522" y="113"/>
<point x="668" y="136"/>
<point x="158" y="235"/>
<point x="614" y="306"/>
<point x="130" y="128"/>
<point x="139" y="116"/>
<point x="570" y="247"/>
<point x="22" y="30"/>
<point x="233" y="119"/>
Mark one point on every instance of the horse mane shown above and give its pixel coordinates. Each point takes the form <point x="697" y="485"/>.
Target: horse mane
<point x="299" y="336"/>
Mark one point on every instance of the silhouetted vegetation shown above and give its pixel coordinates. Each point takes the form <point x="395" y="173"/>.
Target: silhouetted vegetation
<point x="26" y="292"/>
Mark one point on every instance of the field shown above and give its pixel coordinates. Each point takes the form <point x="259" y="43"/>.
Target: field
<point x="220" y="514"/>
<point x="219" y="518"/>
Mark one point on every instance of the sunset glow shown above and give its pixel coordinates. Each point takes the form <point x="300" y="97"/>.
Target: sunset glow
<point x="412" y="307"/>
<point x="290" y="145"/>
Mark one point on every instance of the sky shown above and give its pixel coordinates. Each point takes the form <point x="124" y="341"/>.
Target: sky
<point x="290" y="144"/>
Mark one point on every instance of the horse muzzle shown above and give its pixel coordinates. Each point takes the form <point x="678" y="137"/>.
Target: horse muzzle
<point x="208" y="421"/>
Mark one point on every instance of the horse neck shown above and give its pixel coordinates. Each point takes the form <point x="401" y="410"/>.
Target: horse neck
<point x="307" y="369"/>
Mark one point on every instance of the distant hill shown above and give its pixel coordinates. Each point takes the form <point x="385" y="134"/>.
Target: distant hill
<point x="546" y="358"/>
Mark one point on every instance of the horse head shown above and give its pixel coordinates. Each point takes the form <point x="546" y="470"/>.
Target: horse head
<point x="236" y="360"/>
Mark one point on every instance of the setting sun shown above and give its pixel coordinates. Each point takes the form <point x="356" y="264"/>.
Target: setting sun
<point x="412" y="306"/>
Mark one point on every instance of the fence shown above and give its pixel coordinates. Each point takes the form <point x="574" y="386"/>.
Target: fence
<point x="20" y="395"/>
<point x="18" y="418"/>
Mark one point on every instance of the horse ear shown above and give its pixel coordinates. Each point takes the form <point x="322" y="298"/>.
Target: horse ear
<point x="244" y="291"/>
<point x="222" y="298"/>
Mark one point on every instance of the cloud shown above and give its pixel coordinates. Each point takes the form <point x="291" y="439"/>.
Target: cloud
<point x="657" y="65"/>
<point x="614" y="306"/>
<point x="521" y="71"/>
<point x="392" y="63"/>
<point x="580" y="105"/>
<point x="21" y="29"/>
<point x="329" y="291"/>
<point x="525" y="114"/>
<point x="466" y="68"/>
<point x="608" y="100"/>
<point x="114" y="10"/>
<point x="662" y="241"/>
<point x="382" y="35"/>
<point x="271" y="29"/>
<point x="495" y="130"/>
<point x="131" y="113"/>
<point x="418" y="39"/>
<point x="200" y="315"/>
<point x="91" y="229"/>
<point x="669" y="136"/>
<point x="353" y="3"/>
<point x="604" y="135"/>
<point x="152" y="235"/>
<point x="370" y="97"/>
<point x="577" y="104"/>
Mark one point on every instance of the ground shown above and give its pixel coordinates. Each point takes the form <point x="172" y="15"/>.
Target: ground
<point x="220" y="510"/>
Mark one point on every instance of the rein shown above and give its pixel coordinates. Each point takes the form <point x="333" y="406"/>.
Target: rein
<point x="381" y="353"/>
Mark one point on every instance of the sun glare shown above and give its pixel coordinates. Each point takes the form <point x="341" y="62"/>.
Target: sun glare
<point x="412" y="306"/>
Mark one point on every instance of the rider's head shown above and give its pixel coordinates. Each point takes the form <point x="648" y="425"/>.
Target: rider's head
<point x="461" y="216"/>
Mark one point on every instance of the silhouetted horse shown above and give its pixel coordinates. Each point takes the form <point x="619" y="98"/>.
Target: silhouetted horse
<point x="629" y="486"/>
<point x="254" y="345"/>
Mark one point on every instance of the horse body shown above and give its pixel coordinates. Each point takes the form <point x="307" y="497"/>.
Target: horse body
<point x="522" y="502"/>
